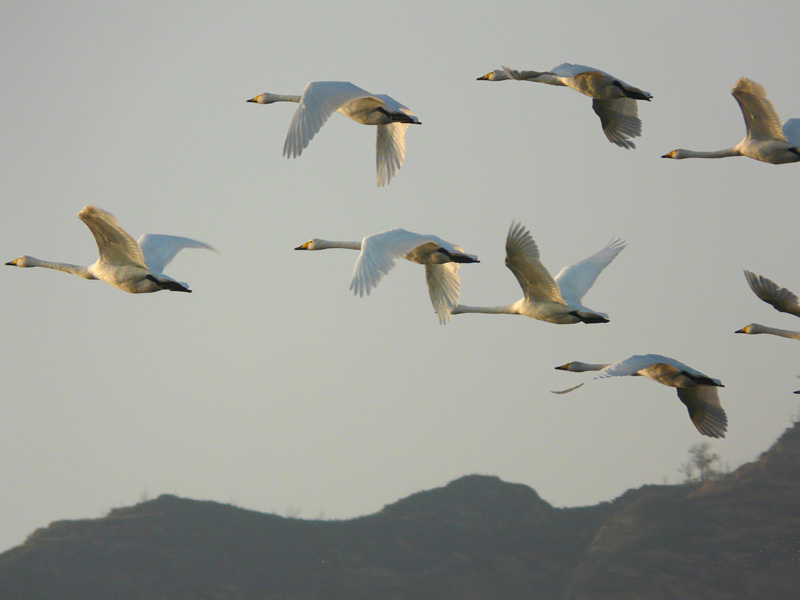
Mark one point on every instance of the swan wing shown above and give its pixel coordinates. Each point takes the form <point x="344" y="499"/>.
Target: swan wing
<point x="767" y="290"/>
<point x="390" y="148"/>
<point x="114" y="244"/>
<point x="444" y="287"/>
<point x="159" y="250"/>
<point x="791" y="129"/>
<point x="522" y="257"/>
<point x="575" y="280"/>
<point x="705" y="410"/>
<point x="568" y="390"/>
<point x="638" y="362"/>
<point x="379" y="253"/>
<point x="319" y="101"/>
<point x="620" y="120"/>
<point x="760" y="117"/>
<point x="571" y="70"/>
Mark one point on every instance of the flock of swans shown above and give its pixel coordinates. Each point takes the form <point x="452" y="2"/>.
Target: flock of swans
<point x="137" y="267"/>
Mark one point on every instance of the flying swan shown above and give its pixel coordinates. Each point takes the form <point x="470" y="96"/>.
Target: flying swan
<point x="321" y="99"/>
<point x="380" y="250"/>
<point x="780" y="298"/>
<point x="555" y="300"/>
<point x="613" y="100"/>
<point x="130" y="266"/>
<point x="765" y="139"/>
<point x="696" y="390"/>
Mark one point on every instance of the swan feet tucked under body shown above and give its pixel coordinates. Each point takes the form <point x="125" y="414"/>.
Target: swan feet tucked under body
<point x="321" y="99"/>
<point x="766" y="140"/>
<point x="613" y="100"/>
<point x="380" y="250"/>
<point x="696" y="390"/>
<point x="552" y="299"/>
<point x="131" y="266"/>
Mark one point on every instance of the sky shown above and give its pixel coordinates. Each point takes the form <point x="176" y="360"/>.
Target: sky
<point x="271" y="386"/>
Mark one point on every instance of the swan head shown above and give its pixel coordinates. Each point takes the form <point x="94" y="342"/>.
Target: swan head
<point x="570" y="366"/>
<point x="752" y="329"/>
<point x="265" y="98"/>
<point x="677" y="154"/>
<point x="315" y="244"/>
<point x="496" y="75"/>
<point x="22" y="261"/>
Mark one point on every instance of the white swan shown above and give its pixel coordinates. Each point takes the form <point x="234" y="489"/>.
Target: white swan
<point x="555" y="300"/>
<point x="130" y="266"/>
<point x="765" y="140"/>
<point x="696" y="390"/>
<point x="321" y="99"/>
<point x="380" y="250"/>
<point x="779" y="298"/>
<point x="613" y="100"/>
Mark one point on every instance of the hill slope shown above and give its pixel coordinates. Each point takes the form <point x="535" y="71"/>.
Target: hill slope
<point x="477" y="537"/>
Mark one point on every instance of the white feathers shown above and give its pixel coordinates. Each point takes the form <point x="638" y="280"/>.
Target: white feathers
<point x="380" y="251"/>
<point x="765" y="139"/>
<point x="321" y="99"/>
<point x="130" y="266"/>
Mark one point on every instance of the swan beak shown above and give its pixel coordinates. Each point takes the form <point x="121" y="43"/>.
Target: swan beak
<point x="484" y="77"/>
<point x="253" y="99"/>
<point x="12" y="263"/>
<point x="303" y="247"/>
<point x="797" y="392"/>
<point x="564" y="367"/>
<point x="670" y="154"/>
<point x="742" y="330"/>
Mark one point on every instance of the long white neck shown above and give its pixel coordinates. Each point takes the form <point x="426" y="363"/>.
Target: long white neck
<point x="509" y="309"/>
<point x="270" y="98"/>
<point x="581" y="367"/>
<point x="57" y="266"/>
<point x="755" y="329"/>
<point x="325" y="244"/>
<point x="681" y="153"/>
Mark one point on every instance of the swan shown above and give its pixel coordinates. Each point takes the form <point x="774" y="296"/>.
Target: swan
<point x="695" y="389"/>
<point x="321" y="99"/>
<point x="130" y="266"/>
<point x="779" y="298"/>
<point x="613" y="100"/>
<point x="765" y="139"/>
<point x="380" y="250"/>
<point x="555" y="300"/>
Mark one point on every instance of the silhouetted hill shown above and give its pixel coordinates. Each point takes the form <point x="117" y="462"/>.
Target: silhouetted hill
<point x="477" y="537"/>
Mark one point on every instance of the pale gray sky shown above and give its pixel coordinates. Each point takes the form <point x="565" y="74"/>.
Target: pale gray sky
<point x="271" y="385"/>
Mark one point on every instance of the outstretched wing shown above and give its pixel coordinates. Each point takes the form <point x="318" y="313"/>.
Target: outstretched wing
<point x="159" y="250"/>
<point x="633" y="364"/>
<point x="575" y="280"/>
<point x="791" y="129"/>
<point x="444" y="287"/>
<point x="767" y="290"/>
<point x="620" y="120"/>
<point x="114" y="244"/>
<point x="379" y="253"/>
<point x="522" y="257"/>
<point x="319" y="101"/>
<point x="390" y="147"/>
<point x="705" y="410"/>
<point x="760" y="117"/>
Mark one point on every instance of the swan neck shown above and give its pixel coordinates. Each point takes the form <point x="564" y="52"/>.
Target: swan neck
<point x="325" y="244"/>
<point x="286" y="98"/>
<point x="775" y="331"/>
<point x="725" y="153"/>
<point x="508" y="309"/>
<point x="580" y="367"/>
<point x="64" y="267"/>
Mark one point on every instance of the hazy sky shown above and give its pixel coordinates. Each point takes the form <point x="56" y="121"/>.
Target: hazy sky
<point x="271" y="386"/>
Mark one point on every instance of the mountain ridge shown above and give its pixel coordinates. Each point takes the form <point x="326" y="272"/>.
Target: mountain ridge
<point x="477" y="537"/>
